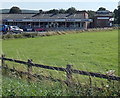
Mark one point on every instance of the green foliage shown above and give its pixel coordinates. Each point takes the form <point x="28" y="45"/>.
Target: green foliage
<point x="7" y="36"/>
<point x="15" y="10"/>
<point x="62" y="11"/>
<point x="91" y="14"/>
<point x="101" y="9"/>
<point x="23" y="35"/>
<point x="115" y="16"/>
<point x="53" y="11"/>
<point x="71" y="10"/>
<point x="28" y="35"/>
<point x="40" y="11"/>
<point x="119" y="15"/>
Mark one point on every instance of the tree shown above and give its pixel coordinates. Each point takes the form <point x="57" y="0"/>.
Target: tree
<point x="71" y="10"/>
<point x="62" y="11"/>
<point x="15" y="9"/>
<point x="119" y="15"/>
<point x="91" y="14"/>
<point x="101" y="9"/>
<point x="55" y="11"/>
<point x="40" y="11"/>
<point x="115" y="14"/>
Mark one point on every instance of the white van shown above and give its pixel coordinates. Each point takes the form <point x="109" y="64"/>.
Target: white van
<point x="15" y="29"/>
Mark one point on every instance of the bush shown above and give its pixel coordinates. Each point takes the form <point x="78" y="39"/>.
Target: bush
<point x="28" y="35"/>
<point x="17" y="36"/>
<point x="7" y="36"/>
<point x="23" y="35"/>
<point x="50" y="33"/>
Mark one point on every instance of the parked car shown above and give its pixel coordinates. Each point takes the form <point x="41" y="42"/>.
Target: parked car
<point x="15" y="29"/>
<point x="4" y="28"/>
<point x="39" y="29"/>
<point x="27" y="29"/>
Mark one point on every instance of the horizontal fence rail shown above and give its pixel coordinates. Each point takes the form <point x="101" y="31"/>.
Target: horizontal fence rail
<point x="67" y="70"/>
<point x="36" y="65"/>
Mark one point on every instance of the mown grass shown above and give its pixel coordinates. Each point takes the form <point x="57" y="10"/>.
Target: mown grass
<point x="91" y="51"/>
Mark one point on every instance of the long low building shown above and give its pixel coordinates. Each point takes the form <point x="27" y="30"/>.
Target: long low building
<point x="49" y="21"/>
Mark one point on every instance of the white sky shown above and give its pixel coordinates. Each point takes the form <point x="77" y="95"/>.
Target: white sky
<point x="60" y="1"/>
<point x="58" y="4"/>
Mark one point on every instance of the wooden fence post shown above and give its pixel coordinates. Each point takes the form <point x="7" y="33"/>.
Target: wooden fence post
<point x="29" y="69"/>
<point x="5" y="67"/>
<point x="2" y="61"/>
<point x="69" y="74"/>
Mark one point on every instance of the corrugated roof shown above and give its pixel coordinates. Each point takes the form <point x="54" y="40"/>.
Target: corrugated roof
<point x="56" y="16"/>
<point x="43" y="16"/>
<point x="110" y="14"/>
<point x="16" y="16"/>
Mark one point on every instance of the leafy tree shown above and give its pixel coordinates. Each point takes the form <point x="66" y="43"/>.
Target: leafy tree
<point x="91" y="14"/>
<point x="62" y="11"/>
<point x="101" y="9"/>
<point x="15" y="9"/>
<point x="115" y="14"/>
<point x="118" y="15"/>
<point x="53" y="11"/>
<point x="40" y="11"/>
<point x="71" y="10"/>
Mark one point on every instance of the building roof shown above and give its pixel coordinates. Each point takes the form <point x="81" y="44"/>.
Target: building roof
<point x="104" y="13"/>
<point x="110" y="15"/>
<point x="44" y="16"/>
<point x="57" y="16"/>
<point x="16" y="16"/>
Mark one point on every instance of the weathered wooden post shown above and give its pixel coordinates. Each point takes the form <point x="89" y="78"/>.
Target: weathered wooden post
<point x="69" y="74"/>
<point x="90" y="83"/>
<point x="29" y="69"/>
<point x="2" y="61"/>
<point x="4" y="66"/>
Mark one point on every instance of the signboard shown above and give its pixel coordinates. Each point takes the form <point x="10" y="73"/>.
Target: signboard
<point x="59" y="20"/>
<point x="70" y="20"/>
<point x="88" y="20"/>
<point x="9" y="20"/>
<point x="78" y="19"/>
<point x="49" y="20"/>
<point x="29" y="20"/>
<point x="102" y="17"/>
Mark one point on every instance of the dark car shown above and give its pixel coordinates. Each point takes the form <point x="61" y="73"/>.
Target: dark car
<point x="29" y="29"/>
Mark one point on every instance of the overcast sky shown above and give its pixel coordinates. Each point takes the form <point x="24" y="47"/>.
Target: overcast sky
<point x="47" y="5"/>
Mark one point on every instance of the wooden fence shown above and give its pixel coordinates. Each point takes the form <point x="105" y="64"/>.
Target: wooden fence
<point x="69" y="70"/>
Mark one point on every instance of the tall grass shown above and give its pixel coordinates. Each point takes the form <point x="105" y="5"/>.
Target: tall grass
<point x="16" y="87"/>
<point x="93" y="51"/>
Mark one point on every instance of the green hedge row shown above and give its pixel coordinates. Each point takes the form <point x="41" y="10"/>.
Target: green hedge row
<point x="23" y="35"/>
<point x="50" y="33"/>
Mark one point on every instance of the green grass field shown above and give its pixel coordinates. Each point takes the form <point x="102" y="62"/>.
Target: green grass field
<point x="91" y="51"/>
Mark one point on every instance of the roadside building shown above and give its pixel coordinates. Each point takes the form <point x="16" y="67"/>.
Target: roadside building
<point x="103" y="19"/>
<point x="53" y="21"/>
